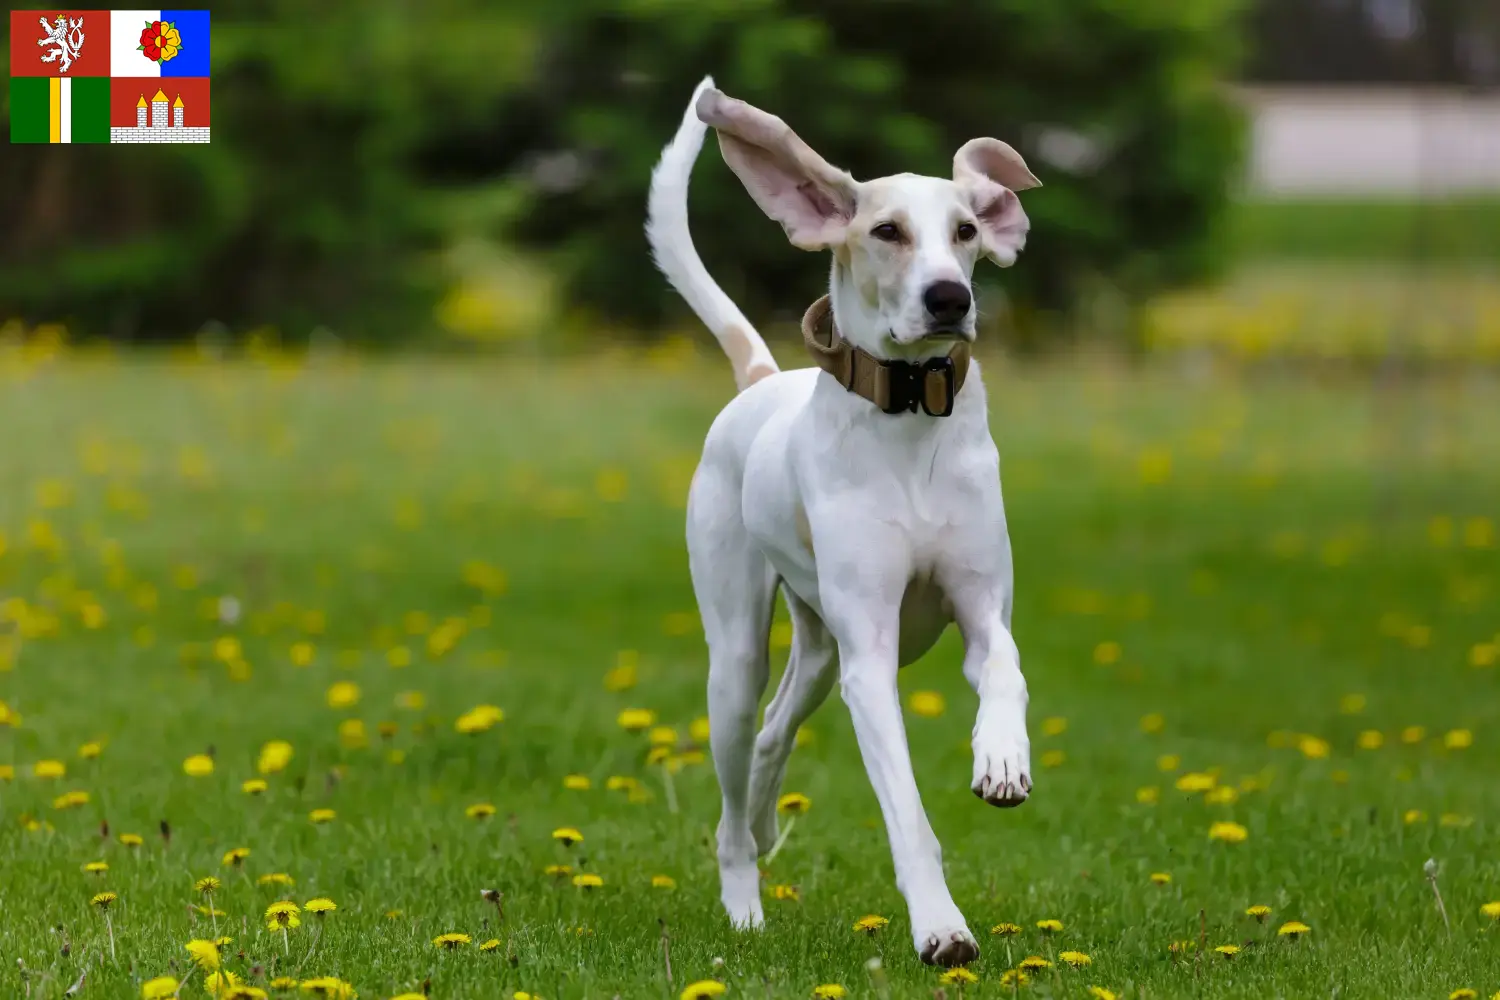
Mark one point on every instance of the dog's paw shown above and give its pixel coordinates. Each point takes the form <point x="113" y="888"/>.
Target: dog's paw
<point x="948" y="947"/>
<point x="739" y="890"/>
<point x="1002" y="770"/>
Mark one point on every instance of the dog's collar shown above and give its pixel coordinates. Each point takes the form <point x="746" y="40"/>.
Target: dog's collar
<point x="893" y="385"/>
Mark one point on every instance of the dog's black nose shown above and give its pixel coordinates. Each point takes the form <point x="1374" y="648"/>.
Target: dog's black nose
<point x="947" y="302"/>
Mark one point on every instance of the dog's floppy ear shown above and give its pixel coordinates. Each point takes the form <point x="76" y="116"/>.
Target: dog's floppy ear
<point x="992" y="172"/>
<point x="812" y="199"/>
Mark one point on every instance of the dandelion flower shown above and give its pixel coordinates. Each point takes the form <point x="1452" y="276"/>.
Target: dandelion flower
<point x="1005" y="930"/>
<point x="280" y="916"/>
<point x="567" y="835"/>
<point x="131" y="840"/>
<point x="1229" y="833"/>
<point x="703" y="989"/>
<point x="787" y="892"/>
<point x="329" y="986"/>
<point x="103" y="899"/>
<point x="1491" y="910"/>
<point x="1196" y="781"/>
<point x="1013" y="978"/>
<point x="274" y="878"/>
<point x="577" y="782"/>
<point x="274" y="756"/>
<point x="958" y="976"/>
<point x="96" y="867"/>
<point x="558" y="871"/>
<point x="320" y="816"/>
<point x="793" y="804"/>
<point x="199" y="765"/>
<point x="663" y="882"/>
<point x="320" y="906"/>
<point x="253" y="786"/>
<point x="1228" y="950"/>
<point x="70" y="800"/>
<point x="1292" y="929"/>
<point x="234" y="857"/>
<point x="1371" y="739"/>
<point x="928" y="704"/>
<point x="480" y="810"/>
<point x="636" y="720"/>
<point x="206" y="886"/>
<point x="448" y="942"/>
<point x="1076" y="959"/>
<point x="49" y="769"/>
<point x="1049" y="926"/>
<point x="1034" y="963"/>
<point x="870" y="924"/>
<point x="620" y="783"/>
<point x="1148" y="795"/>
<point x="159" y="988"/>
<point x="491" y="945"/>
<point x="1463" y="993"/>
<point x="90" y="750"/>
<point x="204" y="953"/>
<point x="1100" y="993"/>
<point x="1160" y="878"/>
<point x="1458" y="739"/>
<point x="587" y="881"/>
<point x="344" y="694"/>
<point x="479" y="719"/>
<point x="1259" y="911"/>
<point x="829" y="991"/>
<point x="283" y="984"/>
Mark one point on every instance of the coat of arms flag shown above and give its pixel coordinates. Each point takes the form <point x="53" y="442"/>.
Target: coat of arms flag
<point x="123" y="76"/>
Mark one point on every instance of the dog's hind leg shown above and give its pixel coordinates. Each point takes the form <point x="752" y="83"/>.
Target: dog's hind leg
<point x="810" y="673"/>
<point x="736" y="588"/>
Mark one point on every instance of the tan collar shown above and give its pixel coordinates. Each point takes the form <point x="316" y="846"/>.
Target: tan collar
<point x="893" y="385"/>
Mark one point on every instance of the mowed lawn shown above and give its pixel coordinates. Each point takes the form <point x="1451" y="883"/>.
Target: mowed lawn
<point x="1268" y="603"/>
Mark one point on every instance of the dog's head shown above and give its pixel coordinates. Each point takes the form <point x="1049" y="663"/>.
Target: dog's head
<point x="904" y="246"/>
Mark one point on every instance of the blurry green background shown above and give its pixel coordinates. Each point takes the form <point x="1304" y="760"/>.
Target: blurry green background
<point x="391" y="172"/>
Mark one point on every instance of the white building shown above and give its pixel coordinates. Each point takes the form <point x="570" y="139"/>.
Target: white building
<point x="166" y="123"/>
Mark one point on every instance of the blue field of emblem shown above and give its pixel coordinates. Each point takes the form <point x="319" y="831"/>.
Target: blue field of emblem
<point x="193" y="60"/>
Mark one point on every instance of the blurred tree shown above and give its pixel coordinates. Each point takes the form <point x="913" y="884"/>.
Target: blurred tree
<point x="1120" y="106"/>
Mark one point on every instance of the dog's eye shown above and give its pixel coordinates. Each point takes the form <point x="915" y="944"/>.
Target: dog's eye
<point x="887" y="231"/>
<point x="966" y="232"/>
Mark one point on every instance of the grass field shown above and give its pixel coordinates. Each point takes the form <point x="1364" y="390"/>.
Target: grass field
<point x="1228" y="592"/>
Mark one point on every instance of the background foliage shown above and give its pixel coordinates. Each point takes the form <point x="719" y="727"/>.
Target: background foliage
<point x="356" y="141"/>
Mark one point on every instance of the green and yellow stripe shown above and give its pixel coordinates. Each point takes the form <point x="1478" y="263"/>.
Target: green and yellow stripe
<point x="59" y="109"/>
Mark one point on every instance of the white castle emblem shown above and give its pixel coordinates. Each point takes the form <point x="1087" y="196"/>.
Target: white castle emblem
<point x="65" y="36"/>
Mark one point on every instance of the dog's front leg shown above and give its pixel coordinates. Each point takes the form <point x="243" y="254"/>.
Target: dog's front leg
<point x="992" y="664"/>
<point x="863" y="612"/>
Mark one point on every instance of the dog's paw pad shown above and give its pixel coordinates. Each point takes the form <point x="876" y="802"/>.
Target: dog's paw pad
<point x="1002" y="779"/>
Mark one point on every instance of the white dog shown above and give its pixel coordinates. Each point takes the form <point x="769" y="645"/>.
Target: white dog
<point x="867" y="489"/>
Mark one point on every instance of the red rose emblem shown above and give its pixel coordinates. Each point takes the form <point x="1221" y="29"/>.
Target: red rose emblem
<point x="151" y="41"/>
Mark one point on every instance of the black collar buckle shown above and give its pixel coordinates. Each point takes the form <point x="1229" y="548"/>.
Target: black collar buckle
<point x="909" y="380"/>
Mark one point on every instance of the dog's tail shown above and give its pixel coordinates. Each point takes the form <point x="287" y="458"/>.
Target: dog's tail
<point x="672" y="248"/>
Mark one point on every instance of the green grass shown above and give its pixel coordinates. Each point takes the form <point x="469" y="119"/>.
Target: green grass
<point x="1257" y="550"/>
<point x="1368" y="229"/>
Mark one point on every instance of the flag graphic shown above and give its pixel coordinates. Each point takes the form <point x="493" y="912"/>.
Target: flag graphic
<point x="116" y="76"/>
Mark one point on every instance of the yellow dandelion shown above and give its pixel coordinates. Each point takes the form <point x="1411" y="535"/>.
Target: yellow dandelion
<point x="1229" y="833"/>
<point x="1196" y="781"/>
<point x="207" y="886"/>
<point x="49" y="769"/>
<point x="1100" y="993"/>
<point x="793" y="804"/>
<point x="1034" y="963"/>
<point x="96" y="867"/>
<point x="1463" y="993"/>
<point x="1054" y="758"/>
<point x="567" y="836"/>
<point x="787" y="893"/>
<point x="320" y="905"/>
<point x="829" y="991"/>
<point x="588" y="880"/>
<point x="1168" y="762"/>
<point x="320" y="816"/>
<point x="274" y="878"/>
<point x="343" y="694"/>
<point x="1371" y="739"/>
<point x="491" y="945"/>
<point x="204" y="953"/>
<point x="662" y="736"/>
<point x="558" y="871"/>
<point x="479" y="719"/>
<point x="663" y="882"/>
<point x="699" y="730"/>
<point x="1012" y="978"/>
<point x="1292" y="929"/>
<point x="1005" y="930"/>
<point x="274" y="756"/>
<point x="870" y="924"/>
<point x="253" y="786"/>
<point x="103" y="900"/>
<point x="958" y="977"/>
<point x="577" y="782"/>
<point x="620" y="783"/>
<point x="636" y="720"/>
<point x="448" y="942"/>
<point x="329" y="986"/>
<point x="131" y="840"/>
<point x="1076" y="959"/>
<point x="282" y="915"/>
<point x="283" y="984"/>
<point x="1458" y="739"/>
<point x="703" y="989"/>
<point x="234" y="857"/>
<point x="928" y="704"/>
<point x="199" y="765"/>
<point x="1491" y="910"/>
<point x="1160" y="878"/>
<point x="159" y="988"/>
<point x="90" y="750"/>
<point x="1148" y="795"/>
<point x="1228" y="950"/>
<point x="480" y="810"/>
<point x="71" y="800"/>
<point x="1049" y="926"/>
<point x="1153" y="723"/>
